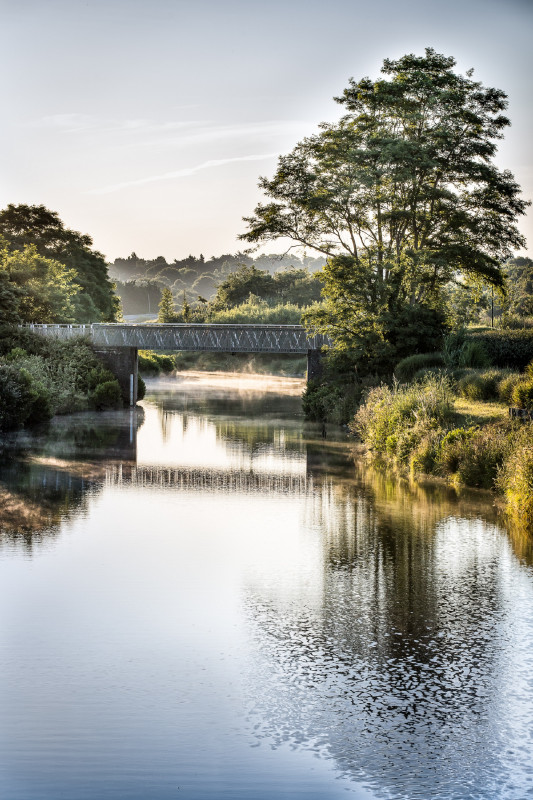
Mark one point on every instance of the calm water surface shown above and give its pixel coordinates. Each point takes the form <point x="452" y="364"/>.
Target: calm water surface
<point x="206" y="599"/>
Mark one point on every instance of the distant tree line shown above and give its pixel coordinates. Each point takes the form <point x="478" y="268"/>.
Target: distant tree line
<point x="140" y="282"/>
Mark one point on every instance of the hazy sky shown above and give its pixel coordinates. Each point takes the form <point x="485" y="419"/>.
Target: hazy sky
<point x="147" y="124"/>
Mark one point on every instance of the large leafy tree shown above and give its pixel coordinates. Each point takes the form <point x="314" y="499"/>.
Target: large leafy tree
<point x="402" y="194"/>
<point x="22" y="225"/>
<point x="34" y="288"/>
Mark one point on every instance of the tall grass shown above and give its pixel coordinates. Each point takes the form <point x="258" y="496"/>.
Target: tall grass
<point x="412" y="427"/>
<point x="515" y="479"/>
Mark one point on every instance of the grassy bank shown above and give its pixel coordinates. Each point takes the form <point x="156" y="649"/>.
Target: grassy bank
<point x="422" y="428"/>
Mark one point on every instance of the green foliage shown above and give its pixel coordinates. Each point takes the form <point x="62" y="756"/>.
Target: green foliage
<point x="407" y="368"/>
<point x="152" y="363"/>
<point x="349" y="193"/>
<point x="60" y="377"/>
<point x="507" y="385"/>
<point x="482" y="456"/>
<point x="462" y="351"/>
<point x="506" y="348"/>
<point x="141" y="388"/>
<point x="482" y="385"/>
<point x="515" y="479"/>
<point x="393" y="420"/>
<point x="23" y="225"/>
<point x="451" y="448"/>
<point x="167" y="310"/>
<point x="519" y="300"/>
<point x="512" y="322"/>
<point x="522" y="396"/>
<point x="42" y="289"/>
<point x="257" y="311"/>
<point x="329" y="402"/>
<point x="106" y="395"/>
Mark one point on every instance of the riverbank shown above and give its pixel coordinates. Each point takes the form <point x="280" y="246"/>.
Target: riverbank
<point x="40" y="378"/>
<point x="422" y="429"/>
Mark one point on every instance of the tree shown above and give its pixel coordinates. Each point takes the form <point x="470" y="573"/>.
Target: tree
<point x="23" y="225"/>
<point x="401" y="194"/>
<point x="237" y="287"/>
<point x="185" y="308"/>
<point x="167" y="312"/>
<point x="520" y="299"/>
<point x="42" y="289"/>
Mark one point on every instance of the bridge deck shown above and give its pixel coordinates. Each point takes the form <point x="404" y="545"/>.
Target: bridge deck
<point x="194" y="336"/>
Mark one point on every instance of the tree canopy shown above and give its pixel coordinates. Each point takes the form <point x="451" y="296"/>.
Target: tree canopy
<point x="402" y="193"/>
<point x="23" y="225"/>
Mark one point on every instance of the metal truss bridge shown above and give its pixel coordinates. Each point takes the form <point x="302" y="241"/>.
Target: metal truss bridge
<point x="194" y="336"/>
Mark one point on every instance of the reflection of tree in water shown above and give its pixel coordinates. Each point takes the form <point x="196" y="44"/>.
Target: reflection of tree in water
<point x="393" y="671"/>
<point x="46" y="475"/>
<point x="34" y="501"/>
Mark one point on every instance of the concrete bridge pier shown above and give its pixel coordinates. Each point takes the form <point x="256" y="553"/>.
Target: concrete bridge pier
<point x="124" y="363"/>
<point x="315" y="365"/>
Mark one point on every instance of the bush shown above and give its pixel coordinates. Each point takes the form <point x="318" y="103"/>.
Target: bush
<point x="452" y="448"/>
<point x="481" y="457"/>
<point x="515" y="478"/>
<point x="15" y="397"/>
<point x="257" y="311"/>
<point x="506" y="386"/>
<point x="141" y="388"/>
<point x="106" y="395"/>
<point x="506" y="348"/>
<point x="481" y="385"/>
<point x="407" y="368"/>
<point x="522" y="396"/>
<point x="151" y="363"/>
<point x="393" y="421"/>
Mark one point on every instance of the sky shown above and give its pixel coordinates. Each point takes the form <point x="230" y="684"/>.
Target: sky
<point x="147" y="124"/>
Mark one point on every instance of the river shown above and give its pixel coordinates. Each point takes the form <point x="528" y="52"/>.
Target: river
<point x="205" y="598"/>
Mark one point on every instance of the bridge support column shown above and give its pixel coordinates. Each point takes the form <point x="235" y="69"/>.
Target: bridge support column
<point x="315" y="365"/>
<point x="123" y="362"/>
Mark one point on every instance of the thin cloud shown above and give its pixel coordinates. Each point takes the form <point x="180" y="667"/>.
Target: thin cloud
<point x="180" y="173"/>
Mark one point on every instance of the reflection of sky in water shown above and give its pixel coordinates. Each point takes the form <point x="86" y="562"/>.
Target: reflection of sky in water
<point x="219" y="638"/>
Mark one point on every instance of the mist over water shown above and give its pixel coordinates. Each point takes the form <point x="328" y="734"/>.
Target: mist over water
<point x="206" y="598"/>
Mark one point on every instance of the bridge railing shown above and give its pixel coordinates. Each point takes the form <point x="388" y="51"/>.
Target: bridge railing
<point x="234" y="338"/>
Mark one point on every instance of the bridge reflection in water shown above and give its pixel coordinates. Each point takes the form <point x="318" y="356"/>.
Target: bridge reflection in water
<point x="208" y="479"/>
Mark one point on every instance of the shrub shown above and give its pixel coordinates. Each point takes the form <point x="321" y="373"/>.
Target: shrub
<point x="506" y="386"/>
<point x="15" y="397"/>
<point x="393" y="421"/>
<point x="522" y="396"/>
<point x="141" y="388"/>
<point x="451" y="449"/>
<point x="515" y="478"/>
<point x="506" y="348"/>
<point x="106" y="395"/>
<point x="407" y="368"/>
<point x="155" y="363"/>
<point x="481" y="385"/>
<point x="481" y="457"/>
<point x="460" y="351"/>
<point x="473" y="354"/>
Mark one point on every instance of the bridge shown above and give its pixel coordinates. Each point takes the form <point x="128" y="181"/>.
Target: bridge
<point x="117" y="344"/>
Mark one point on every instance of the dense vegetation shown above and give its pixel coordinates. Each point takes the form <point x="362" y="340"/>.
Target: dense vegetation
<point x="140" y="283"/>
<point x="41" y="377"/>
<point x="416" y="427"/>
<point x="49" y="274"/>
